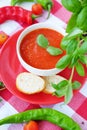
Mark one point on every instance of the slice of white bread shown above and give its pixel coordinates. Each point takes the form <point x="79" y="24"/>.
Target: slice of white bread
<point x="29" y="83"/>
<point x="48" y="82"/>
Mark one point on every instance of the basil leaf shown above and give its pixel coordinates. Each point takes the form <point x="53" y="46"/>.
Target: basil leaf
<point x="65" y="42"/>
<point x="42" y="41"/>
<point x="83" y="48"/>
<point x="71" y="47"/>
<point x="72" y="22"/>
<point x="54" y="86"/>
<point x="61" y="88"/>
<point x="63" y="62"/>
<point x="69" y="94"/>
<point x="60" y="92"/>
<point x="54" y="51"/>
<point x="84" y="2"/>
<point x="83" y="59"/>
<point x="76" y="85"/>
<point x="82" y="19"/>
<point x="60" y="85"/>
<point x="74" y="33"/>
<point x="80" y="69"/>
<point x="74" y="60"/>
<point x="72" y="5"/>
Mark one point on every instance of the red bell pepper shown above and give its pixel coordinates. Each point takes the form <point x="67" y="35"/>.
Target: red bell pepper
<point x="22" y="16"/>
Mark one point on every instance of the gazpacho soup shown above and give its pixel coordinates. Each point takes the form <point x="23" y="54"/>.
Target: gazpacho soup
<point x="37" y="56"/>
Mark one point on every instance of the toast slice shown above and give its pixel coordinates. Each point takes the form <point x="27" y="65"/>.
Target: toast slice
<point x="48" y="82"/>
<point x="29" y="83"/>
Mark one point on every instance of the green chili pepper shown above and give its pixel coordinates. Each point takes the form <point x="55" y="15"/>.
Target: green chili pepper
<point x="82" y="19"/>
<point x="48" y="114"/>
<point x="14" y="2"/>
<point x="46" y="4"/>
<point x="72" y="5"/>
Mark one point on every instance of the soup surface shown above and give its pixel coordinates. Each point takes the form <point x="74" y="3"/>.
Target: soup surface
<point x="37" y="56"/>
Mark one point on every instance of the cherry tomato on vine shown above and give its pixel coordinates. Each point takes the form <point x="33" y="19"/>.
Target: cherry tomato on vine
<point x="37" y="9"/>
<point x="31" y="125"/>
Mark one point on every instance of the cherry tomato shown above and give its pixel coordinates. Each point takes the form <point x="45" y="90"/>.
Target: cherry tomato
<point x="31" y="125"/>
<point x="3" y="37"/>
<point x="37" y="9"/>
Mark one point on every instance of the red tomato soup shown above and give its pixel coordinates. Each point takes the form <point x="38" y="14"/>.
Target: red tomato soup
<point x="37" y="56"/>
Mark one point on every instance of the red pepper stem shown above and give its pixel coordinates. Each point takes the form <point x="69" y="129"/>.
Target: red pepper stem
<point x="35" y="16"/>
<point x="49" y="10"/>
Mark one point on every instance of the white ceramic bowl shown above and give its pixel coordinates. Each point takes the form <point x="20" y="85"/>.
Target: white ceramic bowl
<point x="40" y="72"/>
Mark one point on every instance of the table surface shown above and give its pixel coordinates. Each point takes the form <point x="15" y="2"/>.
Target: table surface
<point x="10" y="104"/>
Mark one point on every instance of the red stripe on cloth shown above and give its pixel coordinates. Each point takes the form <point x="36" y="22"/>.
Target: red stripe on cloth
<point x="33" y="106"/>
<point x="6" y="94"/>
<point x="56" y="7"/>
<point x="63" y="14"/>
<point x="77" y="100"/>
<point x="21" y="105"/>
<point x="18" y="104"/>
<point x="82" y="110"/>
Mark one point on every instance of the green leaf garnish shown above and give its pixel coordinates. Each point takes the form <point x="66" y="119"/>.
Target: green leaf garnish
<point x="65" y="42"/>
<point x="60" y="85"/>
<point x="84" y="2"/>
<point x="42" y="41"/>
<point x="83" y="48"/>
<point x="74" y="33"/>
<point x="72" y="22"/>
<point x="80" y="69"/>
<point x="76" y="85"/>
<point x="60" y="88"/>
<point x="71" y="47"/>
<point x="83" y="59"/>
<point x="63" y="62"/>
<point x="54" y="51"/>
<point x="69" y="94"/>
<point x="74" y="60"/>
<point x="75" y="46"/>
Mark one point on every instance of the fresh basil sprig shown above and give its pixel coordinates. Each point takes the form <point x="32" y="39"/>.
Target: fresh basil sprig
<point x="65" y="88"/>
<point x="44" y="43"/>
<point x="75" y="45"/>
<point x="75" y="56"/>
